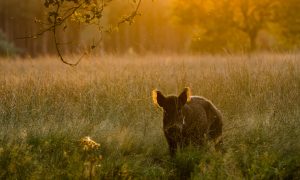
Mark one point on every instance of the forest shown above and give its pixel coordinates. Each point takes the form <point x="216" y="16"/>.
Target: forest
<point x="193" y="26"/>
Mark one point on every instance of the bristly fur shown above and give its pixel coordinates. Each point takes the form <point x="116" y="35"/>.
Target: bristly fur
<point x="154" y="97"/>
<point x="189" y="120"/>
<point x="189" y="93"/>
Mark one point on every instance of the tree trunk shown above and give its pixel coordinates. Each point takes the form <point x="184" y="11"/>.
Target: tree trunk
<point x="252" y="38"/>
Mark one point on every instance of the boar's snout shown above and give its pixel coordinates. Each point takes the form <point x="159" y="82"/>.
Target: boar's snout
<point x="174" y="132"/>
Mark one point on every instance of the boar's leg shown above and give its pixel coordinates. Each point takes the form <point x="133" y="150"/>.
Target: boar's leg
<point x="172" y="147"/>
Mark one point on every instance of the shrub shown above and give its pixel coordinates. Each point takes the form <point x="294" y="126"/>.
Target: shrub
<point x="7" y="48"/>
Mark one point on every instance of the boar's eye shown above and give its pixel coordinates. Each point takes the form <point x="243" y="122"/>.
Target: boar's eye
<point x="179" y="110"/>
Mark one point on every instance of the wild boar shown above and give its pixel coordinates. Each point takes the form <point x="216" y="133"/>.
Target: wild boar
<point x="188" y="120"/>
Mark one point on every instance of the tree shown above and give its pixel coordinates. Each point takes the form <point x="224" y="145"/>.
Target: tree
<point x="225" y="23"/>
<point x="60" y="13"/>
<point x="251" y="17"/>
<point x="153" y="32"/>
<point x="289" y="23"/>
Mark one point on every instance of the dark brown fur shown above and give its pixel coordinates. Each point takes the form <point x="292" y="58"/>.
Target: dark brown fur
<point x="189" y="120"/>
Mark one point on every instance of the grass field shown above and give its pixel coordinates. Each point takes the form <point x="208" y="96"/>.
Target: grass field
<point x="46" y="107"/>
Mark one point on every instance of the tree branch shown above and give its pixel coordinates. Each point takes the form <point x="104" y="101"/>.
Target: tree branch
<point x="131" y="16"/>
<point x="67" y="14"/>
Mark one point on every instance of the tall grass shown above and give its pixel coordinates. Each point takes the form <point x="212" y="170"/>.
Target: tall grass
<point x="47" y="107"/>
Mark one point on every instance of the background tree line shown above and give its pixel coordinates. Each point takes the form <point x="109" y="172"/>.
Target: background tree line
<point x="207" y="26"/>
<point x="241" y="25"/>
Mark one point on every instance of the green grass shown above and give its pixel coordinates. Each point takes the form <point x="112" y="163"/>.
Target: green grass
<point x="47" y="107"/>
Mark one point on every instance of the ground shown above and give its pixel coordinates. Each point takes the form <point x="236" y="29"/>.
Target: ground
<point x="46" y="108"/>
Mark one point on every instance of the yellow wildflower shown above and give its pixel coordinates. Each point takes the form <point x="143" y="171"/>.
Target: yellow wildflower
<point x="88" y="143"/>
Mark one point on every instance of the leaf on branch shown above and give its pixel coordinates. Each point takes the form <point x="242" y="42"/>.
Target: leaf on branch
<point x="59" y="19"/>
<point x="65" y="27"/>
<point x="50" y="19"/>
<point x="37" y="21"/>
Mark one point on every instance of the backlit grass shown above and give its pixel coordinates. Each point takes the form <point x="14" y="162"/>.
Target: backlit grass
<point x="47" y="107"/>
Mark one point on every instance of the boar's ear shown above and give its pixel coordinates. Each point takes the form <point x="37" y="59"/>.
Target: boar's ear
<point x="158" y="98"/>
<point x="185" y="96"/>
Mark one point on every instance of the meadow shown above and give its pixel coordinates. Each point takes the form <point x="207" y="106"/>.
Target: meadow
<point x="46" y="108"/>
